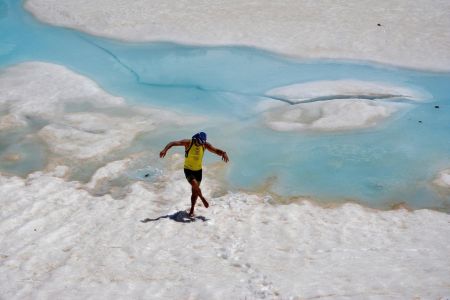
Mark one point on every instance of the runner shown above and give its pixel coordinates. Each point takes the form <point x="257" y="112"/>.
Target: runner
<point x="194" y="150"/>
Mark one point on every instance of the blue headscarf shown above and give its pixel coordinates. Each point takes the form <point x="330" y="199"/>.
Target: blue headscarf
<point x="200" y="137"/>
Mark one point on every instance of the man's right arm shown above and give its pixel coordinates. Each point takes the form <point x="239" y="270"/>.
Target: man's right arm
<point x="171" y="144"/>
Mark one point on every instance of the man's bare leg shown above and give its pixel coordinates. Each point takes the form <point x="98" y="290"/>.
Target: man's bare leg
<point x="194" y="197"/>
<point x="196" y="192"/>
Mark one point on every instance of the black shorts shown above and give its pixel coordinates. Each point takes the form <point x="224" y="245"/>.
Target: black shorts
<point x="197" y="175"/>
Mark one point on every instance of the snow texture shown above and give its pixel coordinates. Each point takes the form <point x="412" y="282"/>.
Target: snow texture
<point x="75" y="117"/>
<point x="335" y="105"/>
<point x="390" y="32"/>
<point x="60" y="242"/>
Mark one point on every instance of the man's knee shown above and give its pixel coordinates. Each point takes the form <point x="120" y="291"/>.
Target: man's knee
<point x="196" y="190"/>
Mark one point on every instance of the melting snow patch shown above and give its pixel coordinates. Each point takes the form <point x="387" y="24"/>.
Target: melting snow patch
<point x="46" y="94"/>
<point x="342" y="89"/>
<point x="335" y="105"/>
<point x="443" y="179"/>
<point x="336" y="115"/>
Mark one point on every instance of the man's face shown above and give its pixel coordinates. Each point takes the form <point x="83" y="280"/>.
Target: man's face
<point x="197" y="142"/>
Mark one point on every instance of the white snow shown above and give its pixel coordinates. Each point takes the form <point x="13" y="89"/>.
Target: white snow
<point x="335" y="105"/>
<point x="96" y="136"/>
<point x="337" y="115"/>
<point x="327" y="88"/>
<point x="60" y="171"/>
<point x="11" y="121"/>
<point x="443" y="179"/>
<point x="108" y="172"/>
<point x="409" y="35"/>
<point x="42" y="91"/>
<point x="37" y="89"/>
<point x="60" y="242"/>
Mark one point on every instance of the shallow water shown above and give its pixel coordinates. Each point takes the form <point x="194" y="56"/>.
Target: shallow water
<point x="379" y="167"/>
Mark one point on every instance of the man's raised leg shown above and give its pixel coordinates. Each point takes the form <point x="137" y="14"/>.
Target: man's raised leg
<point x="196" y="192"/>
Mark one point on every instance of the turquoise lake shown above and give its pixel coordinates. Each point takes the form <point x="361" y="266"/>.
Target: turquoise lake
<point x="386" y="165"/>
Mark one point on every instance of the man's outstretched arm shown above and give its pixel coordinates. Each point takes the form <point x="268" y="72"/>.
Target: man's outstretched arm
<point x="217" y="151"/>
<point x="171" y="144"/>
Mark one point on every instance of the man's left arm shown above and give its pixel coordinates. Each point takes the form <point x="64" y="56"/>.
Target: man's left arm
<point x="217" y="151"/>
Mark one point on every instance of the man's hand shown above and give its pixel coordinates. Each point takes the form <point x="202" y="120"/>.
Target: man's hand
<point x="225" y="157"/>
<point x="171" y="144"/>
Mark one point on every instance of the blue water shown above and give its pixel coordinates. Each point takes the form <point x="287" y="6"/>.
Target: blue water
<point x="389" y="164"/>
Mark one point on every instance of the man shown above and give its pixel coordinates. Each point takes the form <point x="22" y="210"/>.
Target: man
<point x="194" y="150"/>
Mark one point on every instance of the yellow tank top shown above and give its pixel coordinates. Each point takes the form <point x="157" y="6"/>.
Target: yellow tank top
<point x="193" y="157"/>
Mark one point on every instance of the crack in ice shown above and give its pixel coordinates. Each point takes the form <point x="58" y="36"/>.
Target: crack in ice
<point x="136" y="75"/>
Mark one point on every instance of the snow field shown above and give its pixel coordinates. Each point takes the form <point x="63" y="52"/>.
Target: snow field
<point x="60" y="241"/>
<point x="395" y="33"/>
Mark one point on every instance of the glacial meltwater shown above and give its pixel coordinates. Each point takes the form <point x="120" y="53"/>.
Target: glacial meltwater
<point x="392" y="160"/>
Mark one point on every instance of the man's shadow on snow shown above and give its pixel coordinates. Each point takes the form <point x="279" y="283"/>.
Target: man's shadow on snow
<point x="180" y="216"/>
